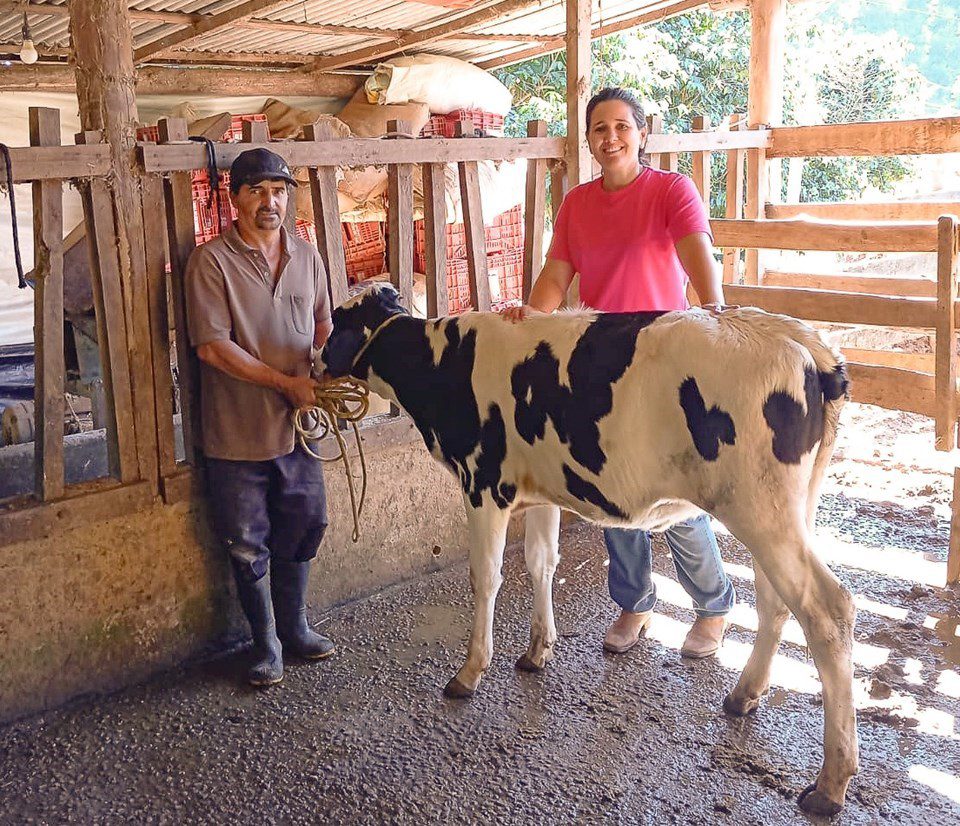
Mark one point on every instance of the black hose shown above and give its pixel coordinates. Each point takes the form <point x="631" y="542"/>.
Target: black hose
<point x="214" y="176"/>
<point x="21" y="279"/>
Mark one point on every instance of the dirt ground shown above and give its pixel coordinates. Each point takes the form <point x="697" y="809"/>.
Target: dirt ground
<point x="637" y="739"/>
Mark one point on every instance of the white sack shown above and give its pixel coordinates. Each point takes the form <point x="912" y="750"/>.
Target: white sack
<point x="443" y="83"/>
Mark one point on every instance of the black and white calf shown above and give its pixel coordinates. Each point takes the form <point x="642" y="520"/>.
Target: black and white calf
<point x="637" y="419"/>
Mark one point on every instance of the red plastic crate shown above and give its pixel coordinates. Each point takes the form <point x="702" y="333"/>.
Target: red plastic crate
<point x="205" y="223"/>
<point x="505" y="233"/>
<point x="506" y="265"/>
<point x="364" y="249"/>
<point x="306" y="231"/>
<point x="444" y="126"/>
<point x="234" y="133"/>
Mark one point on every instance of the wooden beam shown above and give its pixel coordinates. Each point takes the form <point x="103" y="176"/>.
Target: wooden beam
<point x="473" y="230"/>
<point x="736" y="163"/>
<point x="813" y="235"/>
<point x="848" y="283"/>
<point x="54" y="163"/>
<point x="435" y="240"/>
<point x="370" y="54"/>
<point x="558" y="44"/>
<point x="953" y="555"/>
<point x="917" y="362"/>
<point x="358" y="152"/>
<point x="701" y="161"/>
<point x="162" y="80"/>
<point x="326" y="217"/>
<point x="892" y="388"/>
<point x="400" y="219"/>
<point x="841" y="308"/>
<point x="906" y="137"/>
<point x="230" y="17"/>
<point x="48" y="316"/>
<point x="535" y="201"/>
<point x="847" y="211"/>
<point x="945" y="420"/>
<point x="578" y="90"/>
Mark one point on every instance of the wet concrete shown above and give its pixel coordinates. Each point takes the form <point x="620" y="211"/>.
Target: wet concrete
<point x="367" y="738"/>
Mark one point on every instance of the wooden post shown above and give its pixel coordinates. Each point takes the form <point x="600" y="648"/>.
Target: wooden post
<point x="534" y="206"/>
<point x="946" y="338"/>
<point x="476" y="242"/>
<point x="326" y="217"/>
<point x="764" y="107"/>
<point x="578" y="89"/>
<point x="111" y="323"/>
<point x="48" y="315"/>
<point x="953" y="555"/>
<point x="736" y="159"/>
<point x="400" y="219"/>
<point x="701" y="163"/>
<point x="558" y="185"/>
<point x="655" y="127"/>
<point x="181" y="239"/>
<point x="102" y="54"/>
<point x="435" y="232"/>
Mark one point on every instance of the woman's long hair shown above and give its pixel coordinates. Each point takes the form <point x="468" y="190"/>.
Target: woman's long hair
<point x="616" y="93"/>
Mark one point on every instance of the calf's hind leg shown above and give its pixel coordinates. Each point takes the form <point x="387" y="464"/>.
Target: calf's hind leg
<point x="487" y="528"/>
<point x="825" y="611"/>
<point x="755" y="679"/>
<point x="541" y="549"/>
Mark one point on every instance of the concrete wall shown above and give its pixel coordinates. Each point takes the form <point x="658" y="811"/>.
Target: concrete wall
<point x="101" y="606"/>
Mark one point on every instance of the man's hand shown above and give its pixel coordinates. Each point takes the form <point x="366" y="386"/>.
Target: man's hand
<point x="515" y="314"/>
<point x="300" y="391"/>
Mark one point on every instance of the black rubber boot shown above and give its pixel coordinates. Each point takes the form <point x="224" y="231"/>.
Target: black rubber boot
<point x="267" y="668"/>
<point x="290" y="604"/>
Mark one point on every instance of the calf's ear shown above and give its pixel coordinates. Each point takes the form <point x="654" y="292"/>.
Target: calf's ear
<point x="340" y="351"/>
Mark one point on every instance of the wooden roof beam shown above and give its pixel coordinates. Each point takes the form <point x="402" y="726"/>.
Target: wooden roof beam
<point x="161" y="80"/>
<point x="557" y="44"/>
<point x="457" y="26"/>
<point x="238" y="14"/>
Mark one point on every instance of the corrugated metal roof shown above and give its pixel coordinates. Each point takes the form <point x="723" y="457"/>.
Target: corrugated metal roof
<point x="540" y="19"/>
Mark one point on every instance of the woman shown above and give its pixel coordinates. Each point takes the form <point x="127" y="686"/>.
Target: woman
<point x="636" y="235"/>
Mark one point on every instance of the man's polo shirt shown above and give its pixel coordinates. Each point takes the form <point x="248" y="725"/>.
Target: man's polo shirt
<point x="231" y="294"/>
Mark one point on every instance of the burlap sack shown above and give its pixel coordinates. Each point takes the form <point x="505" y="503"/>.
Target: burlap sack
<point x="369" y="121"/>
<point x="287" y="121"/>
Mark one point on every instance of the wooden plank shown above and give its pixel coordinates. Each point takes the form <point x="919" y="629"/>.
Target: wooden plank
<point x="535" y="200"/>
<point x="953" y="555"/>
<point x="255" y="131"/>
<point x="434" y="225"/>
<point x="816" y="235"/>
<point x="558" y="186"/>
<point x="846" y="211"/>
<point x="923" y="136"/>
<point x="111" y="329"/>
<point x="84" y="505"/>
<point x="578" y="89"/>
<point x="400" y="219"/>
<point x="736" y="162"/>
<point x="178" y="199"/>
<point x="754" y="198"/>
<point x="155" y="240"/>
<point x="654" y="127"/>
<point x="945" y="420"/>
<point x="326" y="216"/>
<point x="847" y="283"/>
<point x="181" y="486"/>
<point x="843" y="308"/>
<point x="701" y="162"/>
<point x="56" y="163"/>
<point x="892" y="389"/>
<point x="49" y="367"/>
<point x="915" y="362"/>
<point x="476" y="242"/>
<point x="707" y="141"/>
<point x="355" y="152"/>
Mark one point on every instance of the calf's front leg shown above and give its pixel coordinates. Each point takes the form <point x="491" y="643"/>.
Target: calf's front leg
<point x="487" y="529"/>
<point x="541" y="549"/>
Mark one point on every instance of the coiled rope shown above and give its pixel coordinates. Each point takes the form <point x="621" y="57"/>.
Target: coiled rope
<point x="348" y="400"/>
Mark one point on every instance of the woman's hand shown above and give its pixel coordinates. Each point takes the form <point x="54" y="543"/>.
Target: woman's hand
<point x="516" y="314"/>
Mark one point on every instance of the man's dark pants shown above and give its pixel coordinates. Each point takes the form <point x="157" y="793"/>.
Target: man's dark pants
<point x="276" y="507"/>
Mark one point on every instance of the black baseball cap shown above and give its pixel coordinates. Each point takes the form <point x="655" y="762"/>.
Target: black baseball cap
<point x="257" y="165"/>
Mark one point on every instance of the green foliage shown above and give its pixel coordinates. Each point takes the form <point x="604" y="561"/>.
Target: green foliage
<point x="697" y="64"/>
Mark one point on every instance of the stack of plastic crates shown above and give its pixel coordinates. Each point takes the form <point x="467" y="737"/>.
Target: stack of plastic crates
<point x="504" y="242"/>
<point x="444" y="126"/>
<point x="364" y="249"/>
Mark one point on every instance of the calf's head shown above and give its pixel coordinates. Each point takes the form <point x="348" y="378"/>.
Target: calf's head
<point x="355" y="322"/>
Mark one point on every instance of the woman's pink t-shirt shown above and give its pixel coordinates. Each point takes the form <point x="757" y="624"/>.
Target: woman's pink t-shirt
<point x="622" y="243"/>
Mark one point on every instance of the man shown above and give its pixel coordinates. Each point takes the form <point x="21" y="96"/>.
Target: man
<point x="256" y="303"/>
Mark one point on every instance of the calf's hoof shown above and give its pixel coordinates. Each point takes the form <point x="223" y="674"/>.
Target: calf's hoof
<point x="456" y="690"/>
<point x="740" y="706"/>
<point x="815" y="802"/>
<point x="524" y="663"/>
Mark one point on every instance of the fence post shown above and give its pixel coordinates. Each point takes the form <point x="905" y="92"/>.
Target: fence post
<point x="754" y="208"/>
<point x="735" y="168"/>
<point x="400" y="219"/>
<point x="946" y="359"/>
<point x="435" y="239"/>
<point x="701" y="162"/>
<point x="473" y="230"/>
<point x="48" y="314"/>
<point x="534" y="207"/>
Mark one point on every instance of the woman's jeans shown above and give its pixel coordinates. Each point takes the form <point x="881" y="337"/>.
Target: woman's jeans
<point x="695" y="555"/>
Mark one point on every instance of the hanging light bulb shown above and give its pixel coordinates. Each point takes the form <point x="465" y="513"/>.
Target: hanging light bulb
<point x="28" y="52"/>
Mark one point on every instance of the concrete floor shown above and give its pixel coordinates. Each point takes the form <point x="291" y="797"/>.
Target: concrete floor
<point x="366" y="737"/>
